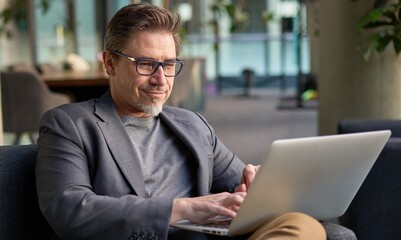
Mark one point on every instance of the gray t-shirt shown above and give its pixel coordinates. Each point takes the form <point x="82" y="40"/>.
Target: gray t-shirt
<point x="167" y="164"/>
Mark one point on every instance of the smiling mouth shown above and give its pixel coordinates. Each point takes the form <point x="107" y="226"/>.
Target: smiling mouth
<point x="155" y="94"/>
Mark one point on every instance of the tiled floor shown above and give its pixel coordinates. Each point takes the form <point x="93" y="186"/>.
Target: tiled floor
<point x="248" y="125"/>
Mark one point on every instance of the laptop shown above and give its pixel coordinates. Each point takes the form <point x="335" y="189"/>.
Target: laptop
<point x="318" y="176"/>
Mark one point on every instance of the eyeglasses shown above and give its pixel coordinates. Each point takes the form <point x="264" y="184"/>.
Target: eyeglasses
<point x="148" y="67"/>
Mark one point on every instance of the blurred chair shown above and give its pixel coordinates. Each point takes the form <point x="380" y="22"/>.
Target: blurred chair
<point x="18" y="67"/>
<point x="45" y="68"/>
<point x="20" y="216"/>
<point x="25" y="97"/>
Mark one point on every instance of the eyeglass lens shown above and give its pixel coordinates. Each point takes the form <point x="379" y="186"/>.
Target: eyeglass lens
<point x="149" y="67"/>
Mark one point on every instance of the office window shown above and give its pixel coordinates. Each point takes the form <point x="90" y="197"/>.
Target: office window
<point x="87" y="37"/>
<point x="67" y="27"/>
<point x="52" y="34"/>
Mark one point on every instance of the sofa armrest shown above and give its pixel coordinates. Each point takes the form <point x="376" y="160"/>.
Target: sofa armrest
<point x="363" y="125"/>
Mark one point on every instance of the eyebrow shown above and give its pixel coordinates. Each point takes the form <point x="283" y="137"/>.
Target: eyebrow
<point x="145" y="58"/>
<point x="153" y="59"/>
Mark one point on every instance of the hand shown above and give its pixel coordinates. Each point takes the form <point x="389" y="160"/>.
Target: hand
<point x="248" y="175"/>
<point x="202" y="208"/>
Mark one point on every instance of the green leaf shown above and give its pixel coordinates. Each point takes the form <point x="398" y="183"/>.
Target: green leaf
<point x="230" y="8"/>
<point x="373" y="37"/>
<point x="368" y="52"/>
<point x="397" y="45"/>
<point x="6" y="15"/>
<point x="382" y="43"/>
<point x="367" y="19"/>
<point x="384" y="23"/>
<point x="267" y="16"/>
<point x="44" y="5"/>
<point x="378" y="24"/>
<point x="383" y="14"/>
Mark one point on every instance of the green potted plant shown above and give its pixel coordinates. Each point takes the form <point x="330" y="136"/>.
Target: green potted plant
<point x="383" y="27"/>
<point x="15" y="13"/>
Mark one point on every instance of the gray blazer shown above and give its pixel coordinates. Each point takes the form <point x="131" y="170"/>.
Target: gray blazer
<point x="89" y="185"/>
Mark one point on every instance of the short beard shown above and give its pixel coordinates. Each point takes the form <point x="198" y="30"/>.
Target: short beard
<point x="152" y="110"/>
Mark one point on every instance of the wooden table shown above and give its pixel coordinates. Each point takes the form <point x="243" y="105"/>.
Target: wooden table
<point x="76" y="79"/>
<point x="80" y="85"/>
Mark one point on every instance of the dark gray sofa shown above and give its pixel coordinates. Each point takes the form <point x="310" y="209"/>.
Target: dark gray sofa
<point x="375" y="212"/>
<point x="20" y="217"/>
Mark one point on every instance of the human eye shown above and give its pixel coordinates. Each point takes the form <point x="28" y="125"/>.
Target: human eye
<point x="146" y="64"/>
<point x="169" y="65"/>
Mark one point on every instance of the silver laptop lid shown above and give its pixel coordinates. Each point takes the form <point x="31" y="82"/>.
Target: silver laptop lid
<point x="318" y="176"/>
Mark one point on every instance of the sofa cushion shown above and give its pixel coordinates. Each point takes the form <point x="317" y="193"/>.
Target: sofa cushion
<point x="375" y="212"/>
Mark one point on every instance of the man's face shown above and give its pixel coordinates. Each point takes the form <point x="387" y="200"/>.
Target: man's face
<point x="135" y="94"/>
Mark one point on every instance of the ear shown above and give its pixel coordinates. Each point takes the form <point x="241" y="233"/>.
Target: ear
<point x="108" y="62"/>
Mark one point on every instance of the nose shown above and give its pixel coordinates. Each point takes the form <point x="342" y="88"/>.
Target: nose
<point x="158" y="77"/>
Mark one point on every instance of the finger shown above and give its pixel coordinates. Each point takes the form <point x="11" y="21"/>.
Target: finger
<point x="234" y="201"/>
<point x="231" y="204"/>
<point x="241" y="188"/>
<point x="249" y="174"/>
<point x="227" y="199"/>
<point x="227" y="212"/>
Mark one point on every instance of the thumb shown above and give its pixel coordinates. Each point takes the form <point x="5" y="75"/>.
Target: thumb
<point x="241" y="188"/>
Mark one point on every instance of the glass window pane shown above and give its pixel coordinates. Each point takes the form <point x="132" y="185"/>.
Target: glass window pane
<point x="88" y="42"/>
<point x="51" y="32"/>
<point x="55" y="38"/>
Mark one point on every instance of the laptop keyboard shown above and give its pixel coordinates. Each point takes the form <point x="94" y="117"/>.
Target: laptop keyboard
<point x="217" y="223"/>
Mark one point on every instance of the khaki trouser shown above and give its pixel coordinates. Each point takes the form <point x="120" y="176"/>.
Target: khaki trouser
<point x="291" y="226"/>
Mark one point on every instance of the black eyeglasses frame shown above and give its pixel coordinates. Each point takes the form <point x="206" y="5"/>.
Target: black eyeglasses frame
<point x="178" y="63"/>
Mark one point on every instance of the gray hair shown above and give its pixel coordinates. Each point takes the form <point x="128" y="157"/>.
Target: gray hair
<point x="135" y="18"/>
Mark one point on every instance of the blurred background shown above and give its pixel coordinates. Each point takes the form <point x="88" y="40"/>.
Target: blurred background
<point x="268" y="37"/>
<point x="259" y="70"/>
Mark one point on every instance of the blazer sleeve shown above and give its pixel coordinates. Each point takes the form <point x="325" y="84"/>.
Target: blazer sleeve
<point x="69" y="192"/>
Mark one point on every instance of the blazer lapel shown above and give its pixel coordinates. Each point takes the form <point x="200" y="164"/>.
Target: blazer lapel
<point x="120" y="143"/>
<point x="194" y="143"/>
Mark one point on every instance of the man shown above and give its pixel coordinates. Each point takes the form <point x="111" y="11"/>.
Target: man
<point x="126" y="167"/>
